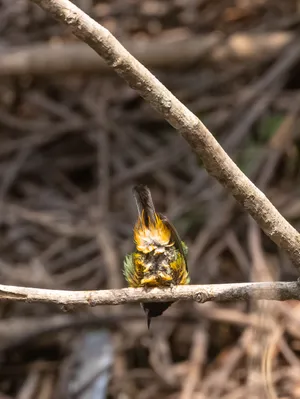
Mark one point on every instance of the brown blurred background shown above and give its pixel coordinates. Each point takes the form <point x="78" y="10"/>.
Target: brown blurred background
<point x="74" y="139"/>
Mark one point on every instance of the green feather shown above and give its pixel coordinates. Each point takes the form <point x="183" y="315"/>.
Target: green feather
<point x="128" y="270"/>
<point x="184" y="248"/>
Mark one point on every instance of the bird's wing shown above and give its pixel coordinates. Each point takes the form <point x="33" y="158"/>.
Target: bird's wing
<point x="175" y="237"/>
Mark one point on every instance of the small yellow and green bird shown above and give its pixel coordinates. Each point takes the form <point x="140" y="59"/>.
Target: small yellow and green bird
<point x="160" y="257"/>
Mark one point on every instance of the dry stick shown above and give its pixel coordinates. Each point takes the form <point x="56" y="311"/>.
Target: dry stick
<point x="12" y="330"/>
<point x="45" y="58"/>
<point x="216" y="382"/>
<point x="30" y="385"/>
<point x="259" y="378"/>
<point x="104" y="236"/>
<point x="197" y="359"/>
<point x="280" y="291"/>
<point x="214" y="158"/>
<point x="258" y="381"/>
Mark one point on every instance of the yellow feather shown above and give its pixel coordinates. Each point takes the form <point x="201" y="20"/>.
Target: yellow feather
<point x="148" y="238"/>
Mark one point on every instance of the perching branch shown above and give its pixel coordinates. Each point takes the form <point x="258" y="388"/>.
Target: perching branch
<point x="214" y="158"/>
<point x="280" y="291"/>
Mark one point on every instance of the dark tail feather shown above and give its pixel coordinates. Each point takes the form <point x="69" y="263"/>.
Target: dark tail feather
<point x="154" y="309"/>
<point x="148" y="321"/>
<point x="144" y="203"/>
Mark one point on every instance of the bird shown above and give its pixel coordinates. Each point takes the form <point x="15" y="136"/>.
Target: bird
<point x="160" y="256"/>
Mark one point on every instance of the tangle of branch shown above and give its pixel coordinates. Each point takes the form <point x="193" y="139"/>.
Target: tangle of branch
<point x="215" y="159"/>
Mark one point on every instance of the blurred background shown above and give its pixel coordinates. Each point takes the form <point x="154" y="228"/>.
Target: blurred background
<point x="74" y="139"/>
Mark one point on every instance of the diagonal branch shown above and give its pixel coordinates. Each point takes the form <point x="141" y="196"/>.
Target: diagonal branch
<point x="214" y="158"/>
<point x="280" y="291"/>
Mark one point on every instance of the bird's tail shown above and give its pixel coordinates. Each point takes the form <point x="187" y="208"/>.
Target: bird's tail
<point x="154" y="309"/>
<point x="144" y="204"/>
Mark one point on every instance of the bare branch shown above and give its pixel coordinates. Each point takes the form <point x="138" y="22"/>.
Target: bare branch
<point x="214" y="158"/>
<point x="280" y="291"/>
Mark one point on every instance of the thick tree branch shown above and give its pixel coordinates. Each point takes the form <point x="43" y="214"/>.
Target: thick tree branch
<point x="214" y="158"/>
<point x="280" y="291"/>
